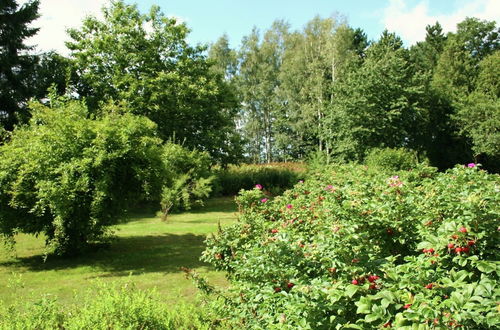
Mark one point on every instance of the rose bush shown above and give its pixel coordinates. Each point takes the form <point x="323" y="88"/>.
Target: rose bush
<point x="352" y="247"/>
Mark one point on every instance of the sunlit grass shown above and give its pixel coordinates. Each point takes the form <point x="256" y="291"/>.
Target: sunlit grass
<point x="147" y="252"/>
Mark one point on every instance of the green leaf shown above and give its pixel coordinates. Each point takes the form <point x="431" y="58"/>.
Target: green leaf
<point x="351" y="290"/>
<point x="485" y="266"/>
<point x="371" y="317"/>
<point x="364" y="306"/>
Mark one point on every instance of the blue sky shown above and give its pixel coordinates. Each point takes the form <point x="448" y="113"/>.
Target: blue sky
<point x="209" y="19"/>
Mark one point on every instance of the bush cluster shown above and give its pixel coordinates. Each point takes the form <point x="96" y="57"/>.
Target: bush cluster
<point x="352" y="247"/>
<point x="70" y="177"/>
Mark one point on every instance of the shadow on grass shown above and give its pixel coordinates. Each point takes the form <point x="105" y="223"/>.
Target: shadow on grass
<point x="137" y="254"/>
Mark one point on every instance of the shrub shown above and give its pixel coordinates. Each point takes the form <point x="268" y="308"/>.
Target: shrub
<point x="275" y="177"/>
<point x="105" y="307"/>
<point x="187" y="180"/>
<point x="70" y="177"/>
<point x="392" y="159"/>
<point x="356" y="248"/>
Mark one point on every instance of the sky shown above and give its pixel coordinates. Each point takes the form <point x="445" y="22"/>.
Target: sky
<point x="209" y="19"/>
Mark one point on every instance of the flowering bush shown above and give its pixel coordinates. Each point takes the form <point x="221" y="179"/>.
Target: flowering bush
<point x="353" y="248"/>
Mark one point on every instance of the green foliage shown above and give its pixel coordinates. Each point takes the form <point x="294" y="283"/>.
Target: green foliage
<point x="275" y="178"/>
<point x="71" y="177"/>
<point x="479" y="112"/>
<point x="187" y="180"/>
<point x="16" y="66"/>
<point x="157" y="74"/>
<point x="105" y="307"/>
<point x="375" y="105"/>
<point x="352" y="247"/>
<point x="392" y="159"/>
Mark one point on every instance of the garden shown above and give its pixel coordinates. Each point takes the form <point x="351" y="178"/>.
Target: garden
<point x="306" y="179"/>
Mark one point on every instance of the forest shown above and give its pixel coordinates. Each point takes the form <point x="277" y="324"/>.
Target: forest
<point x="135" y="117"/>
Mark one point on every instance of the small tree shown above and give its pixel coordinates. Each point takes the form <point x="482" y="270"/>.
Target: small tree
<point x="187" y="178"/>
<point x="70" y="177"/>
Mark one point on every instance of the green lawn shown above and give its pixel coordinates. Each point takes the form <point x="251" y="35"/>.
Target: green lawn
<point x="147" y="252"/>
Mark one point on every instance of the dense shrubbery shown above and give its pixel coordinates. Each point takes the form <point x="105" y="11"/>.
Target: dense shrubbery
<point x="392" y="159"/>
<point x="278" y="177"/>
<point x="70" y="177"/>
<point x="352" y="247"/>
<point x="108" y="307"/>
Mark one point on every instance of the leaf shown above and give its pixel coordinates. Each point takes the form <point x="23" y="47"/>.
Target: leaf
<point x="371" y="317"/>
<point x="364" y="306"/>
<point x="351" y="290"/>
<point x="485" y="266"/>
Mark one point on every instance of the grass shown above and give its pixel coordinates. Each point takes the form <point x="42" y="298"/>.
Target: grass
<point x="147" y="252"/>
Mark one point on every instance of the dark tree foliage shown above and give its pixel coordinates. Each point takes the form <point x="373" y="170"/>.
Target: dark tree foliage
<point x="16" y="66"/>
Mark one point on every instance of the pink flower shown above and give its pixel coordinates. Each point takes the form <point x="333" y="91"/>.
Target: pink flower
<point x="289" y="206"/>
<point x="263" y="200"/>
<point x="258" y="186"/>
<point x="394" y="181"/>
<point x="301" y="181"/>
<point x="471" y="165"/>
<point x="329" y="187"/>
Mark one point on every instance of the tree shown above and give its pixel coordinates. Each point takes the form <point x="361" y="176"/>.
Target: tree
<point x="455" y="82"/>
<point x="16" y="66"/>
<point x="146" y="62"/>
<point x="258" y="82"/>
<point x="376" y="106"/>
<point x="70" y="177"/>
<point x="458" y="65"/>
<point x="314" y="61"/>
<point x="225" y="58"/>
<point x="479" y="113"/>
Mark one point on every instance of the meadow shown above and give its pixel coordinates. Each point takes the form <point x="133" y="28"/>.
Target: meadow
<point x="147" y="252"/>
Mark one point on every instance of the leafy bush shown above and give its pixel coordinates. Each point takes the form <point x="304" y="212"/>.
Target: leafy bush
<point x="71" y="177"/>
<point x="392" y="159"/>
<point x="105" y="307"/>
<point x="187" y="180"/>
<point x="275" y="177"/>
<point x="356" y="248"/>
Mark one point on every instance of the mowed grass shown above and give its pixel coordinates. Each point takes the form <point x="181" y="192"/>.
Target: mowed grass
<point x="147" y="252"/>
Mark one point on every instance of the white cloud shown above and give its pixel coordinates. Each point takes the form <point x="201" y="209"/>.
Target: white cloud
<point x="59" y="15"/>
<point x="56" y="16"/>
<point x="410" y="22"/>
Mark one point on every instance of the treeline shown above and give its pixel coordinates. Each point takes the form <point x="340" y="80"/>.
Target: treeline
<point x="328" y="88"/>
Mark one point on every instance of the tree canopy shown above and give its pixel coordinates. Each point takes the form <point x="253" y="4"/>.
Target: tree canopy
<point x="145" y="62"/>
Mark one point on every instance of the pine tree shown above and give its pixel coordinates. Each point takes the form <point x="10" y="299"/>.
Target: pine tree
<point x="16" y="65"/>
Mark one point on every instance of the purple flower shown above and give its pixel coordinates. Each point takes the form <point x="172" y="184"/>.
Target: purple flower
<point x="301" y="181"/>
<point x="263" y="200"/>
<point x="471" y="165"/>
<point x="258" y="186"/>
<point x="289" y="206"/>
